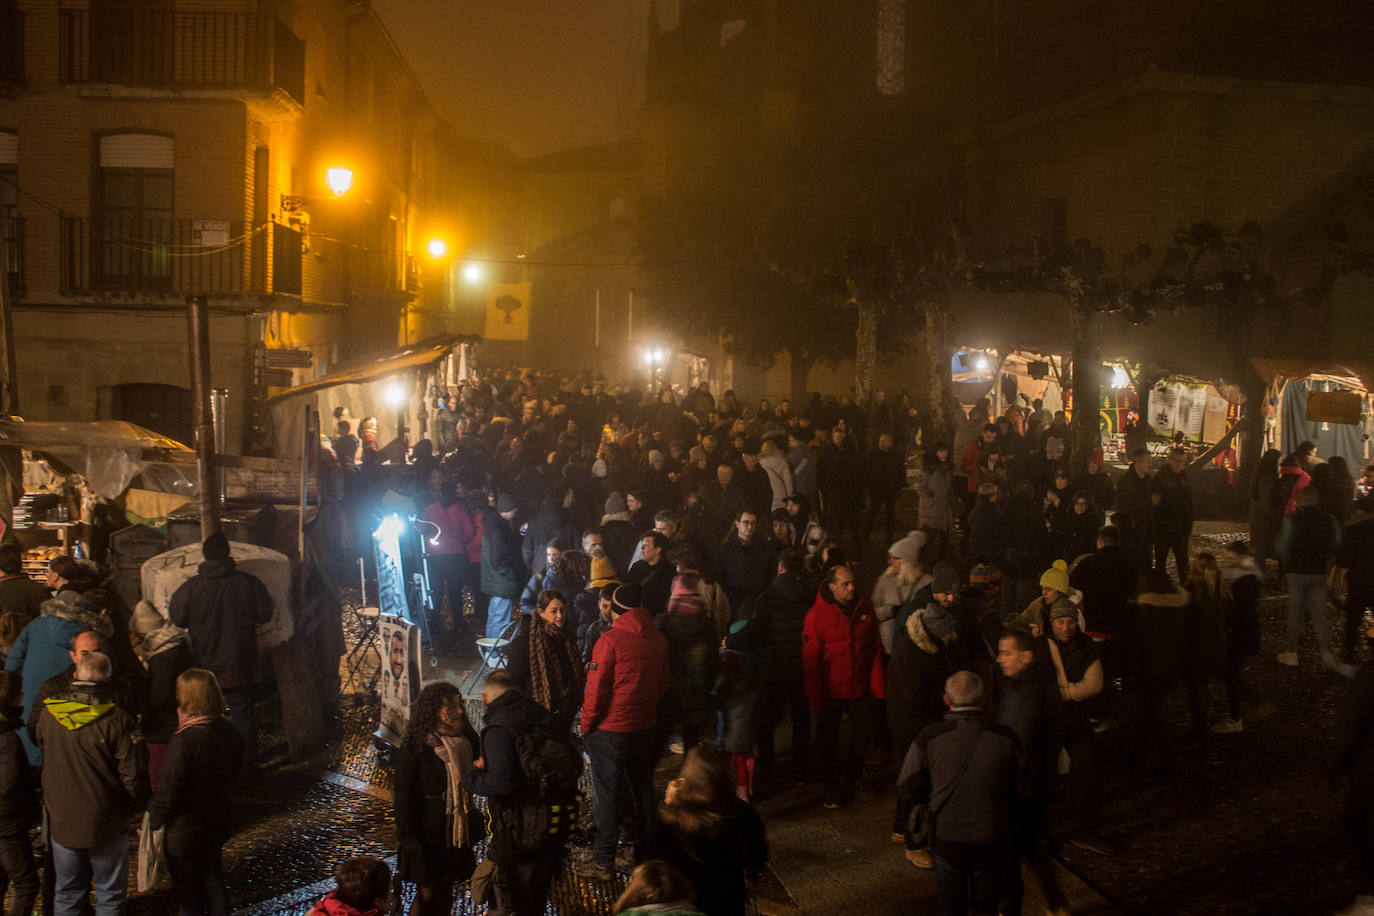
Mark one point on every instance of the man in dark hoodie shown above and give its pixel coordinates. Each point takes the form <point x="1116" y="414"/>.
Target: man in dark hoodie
<point x="1029" y="704"/>
<point x="522" y="879"/>
<point x="222" y="608"/>
<point x="503" y="569"/>
<point x="95" y="775"/>
<point x="780" y="613"/>
<point x="18" y="800"/>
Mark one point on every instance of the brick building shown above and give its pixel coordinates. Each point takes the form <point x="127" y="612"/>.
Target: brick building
<point x="157" y="150"/>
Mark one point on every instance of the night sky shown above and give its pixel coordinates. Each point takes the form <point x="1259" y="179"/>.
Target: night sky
<point x="537" y="75"/>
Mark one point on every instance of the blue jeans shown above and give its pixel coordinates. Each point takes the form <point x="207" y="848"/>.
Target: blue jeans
<point x="75" y="869"/>
<point x="1307" y="595"/>
<point x="621" y="758"/>
<point x="499" y="611"/>
<point x="965" y="889"/>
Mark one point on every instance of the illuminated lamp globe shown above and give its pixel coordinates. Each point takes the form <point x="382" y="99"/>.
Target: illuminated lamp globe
<point x="472" y="273"/>
<point x="437" y="248"/>
<point x="339" y="179"/>
<point x="395" y="395"/>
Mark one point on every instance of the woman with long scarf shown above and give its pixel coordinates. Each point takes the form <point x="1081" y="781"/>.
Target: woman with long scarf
<point x="545" y="661"/>
<point x="436" y="820"/>
<point x="165" y="651"/>
<point x="204" y="756"/>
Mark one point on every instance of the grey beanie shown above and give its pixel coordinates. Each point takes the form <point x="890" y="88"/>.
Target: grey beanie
<point x="937" y="621"/>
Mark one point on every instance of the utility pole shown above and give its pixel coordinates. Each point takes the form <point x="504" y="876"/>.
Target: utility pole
<point x="11" y="465"/>
<point x="198" y="337"/>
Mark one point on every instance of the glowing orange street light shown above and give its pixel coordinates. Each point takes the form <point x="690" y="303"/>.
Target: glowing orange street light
<point x="437" y="248"/>
<point x="339" y="179"/>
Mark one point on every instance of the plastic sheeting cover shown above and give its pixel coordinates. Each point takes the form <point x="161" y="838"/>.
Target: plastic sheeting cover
<point x="163" y="574"/>
<point x="108" y="453"/>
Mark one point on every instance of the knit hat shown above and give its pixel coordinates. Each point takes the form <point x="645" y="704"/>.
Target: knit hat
<point x="1063" y="608"/>
<point x="696" y="453"/>
<point x="944" y="579"/>
<point x="750" y="446"/>
<point x="908" y="549"/>
<point x="1056" y="577"/>
<point x="615" y="503"/>
<point x="937" y="621"/>
<point x="146" y="618"/>
<point x="216" y="547"/>
<point x="628" y="597"/>
<point x="603" y="570"/>
<point x="506" y="503"/>
<point x="984" y="574"/>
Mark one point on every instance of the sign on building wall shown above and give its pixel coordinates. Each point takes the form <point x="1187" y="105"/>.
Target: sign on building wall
<point x="508" y="311"/>
<point x="210" y="233"/>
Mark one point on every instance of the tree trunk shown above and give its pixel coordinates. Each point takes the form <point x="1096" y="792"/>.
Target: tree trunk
<point x="1085" y="433"/>
<point x="865" y="352"/>
<point x="939" y="419"/>
<point x="1251" y="434"/>
<point x="799" y="368"/>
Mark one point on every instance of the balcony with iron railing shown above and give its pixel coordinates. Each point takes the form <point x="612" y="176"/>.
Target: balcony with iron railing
<point x="11" y="46"/>
<point x="181" y="51"/>
<point x="151" y="256"/>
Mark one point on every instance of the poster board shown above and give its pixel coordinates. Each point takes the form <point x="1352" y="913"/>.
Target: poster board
<point x="1334" y="407"/>
<point x="398" y="646"/>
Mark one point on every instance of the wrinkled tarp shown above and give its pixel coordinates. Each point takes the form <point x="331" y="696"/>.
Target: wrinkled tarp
<point x="1278" y="371"/>
<point x="108" y="453"/>
<point x="163" y="574"/>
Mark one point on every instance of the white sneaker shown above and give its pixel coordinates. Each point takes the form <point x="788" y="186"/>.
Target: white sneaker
<point x="1287" y="658"/>
<point x="1330" y="664"/>
<point x="1228" y="726"/>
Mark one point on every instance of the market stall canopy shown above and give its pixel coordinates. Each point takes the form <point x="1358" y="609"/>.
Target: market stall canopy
<point x="163" y="574"/>
<point x="1278" y="371"/>
<point x="108" y="453"/>
<point x="415" y="356"/>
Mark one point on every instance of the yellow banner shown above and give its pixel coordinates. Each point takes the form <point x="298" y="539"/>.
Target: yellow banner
<point x="508" y="311"/>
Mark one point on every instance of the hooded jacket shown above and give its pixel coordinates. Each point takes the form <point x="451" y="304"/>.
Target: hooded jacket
<point x="775" y="465"/>
<point x="222" y="608"/>
<point x="41" y="652"/>
<point x="780" y="613"/>
<point x="692" y="641"/>
<point x="501" y="779"/>
<point x="200" y="765"/>
<point x="916" y="678"/>
<point x="166" y="653"/>
<point x="95" y="767"/>
<point x="503" y="568"/>
<point x="840" y="658"/>
<point x="627" y="677"/>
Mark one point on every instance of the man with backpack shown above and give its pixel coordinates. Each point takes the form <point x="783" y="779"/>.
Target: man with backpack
<point x="529" y="778"/>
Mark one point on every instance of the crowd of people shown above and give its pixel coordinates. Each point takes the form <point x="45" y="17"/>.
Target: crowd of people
<point x="683" y="576"/>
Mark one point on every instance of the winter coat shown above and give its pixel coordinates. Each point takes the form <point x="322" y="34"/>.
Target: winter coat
<point x="1242" y="619"/>
<point x="692" y="654"/>
<point x="1133" y="500"/>
<point x="780" y="612"/>
<point x="1078" y="669"/>
<point x="166" y="653"/>
<point x="888" y="596"/>
<point x="18" y="789"/>
<point x="1030" y="705"/>
<point x="1265" y="514"/>
<point x="1292" y="481"/>
<point x="805" y="471"/>
<point x="518" y="666"/>
<point x="1204" y="641"/>
<point x="1107" y="580"/>
<point x="1079" y="533"/>
<point x="628" y="676"/>
<point x="779" y="477"/>
<point x="619" y="540"/>
<point x="503" y="569"/>
<point x="984" y="529"/>
<point x="21" y="595"/>
<point x="933" y="490"/>
<point x="200" y="765"/>
<point x="886" y="474"/>
<point x="333" y="906"/>
<point x="656" y="583"/>
<point x="222" y="608"/>
<point x="717" y="857"/>
<point x="42" y="651"/>
<point x="840" y="657"/>
<point x="95" y="767"/>
<point x="1307" y="541"/>
<point x="916" y="678"/>
<point x="1174" y="514"/>
<point x="548" y="523"/>
<point x="1161" y="627"/>
<point x="978" y="808"/>
<point x="1356" y="553"/>
<point x="456" y="528"/>
<point x="1025" y="542"/>
<point x="744" y="569"/>
<point x="501" y="780"/>
<point x="424" y="824"/>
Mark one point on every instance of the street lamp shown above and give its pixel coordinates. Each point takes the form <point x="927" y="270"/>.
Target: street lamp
<point x="337" y="177"/>
<point x="437" y="248"/>
<point x="472" y="273"/>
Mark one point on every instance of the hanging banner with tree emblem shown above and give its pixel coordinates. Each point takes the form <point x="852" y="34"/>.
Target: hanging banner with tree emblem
<point x="508" y="311"/>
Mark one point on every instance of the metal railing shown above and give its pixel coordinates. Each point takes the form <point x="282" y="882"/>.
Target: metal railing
<point x="148" y="256"/>
<point x="181" y="49"/>
<point x="11" y="46"/>
<point x="12" y="250"/>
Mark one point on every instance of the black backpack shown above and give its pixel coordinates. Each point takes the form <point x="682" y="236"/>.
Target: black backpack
<point x="545" y="813"/>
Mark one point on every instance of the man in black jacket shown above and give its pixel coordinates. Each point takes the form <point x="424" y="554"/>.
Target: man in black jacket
<point x="1173" y="515"/>
<point x="18" y="799"/>
<point x="1352" y="758"/>
<point x="1029" y="704"/>
<point x="1135" y="499"/>
<point x="654" y="573"/>
<point x="95" y="775"/>
<point x="553" y="520"/>
<point x="522" y="879"/>
<point x="1307" y="543"/>
<point x="967" y="769"/>
<point x="222" y="607"/>
<point x="780" y="612"/>
<point x="886" y="477"/>
<point x="744" y="562"/>
<point x="1107" y="581"/>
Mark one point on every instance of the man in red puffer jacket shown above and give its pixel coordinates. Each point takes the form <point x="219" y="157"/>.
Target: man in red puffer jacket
<point x="843" y="673"/>
<point x="626" y="679"/>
